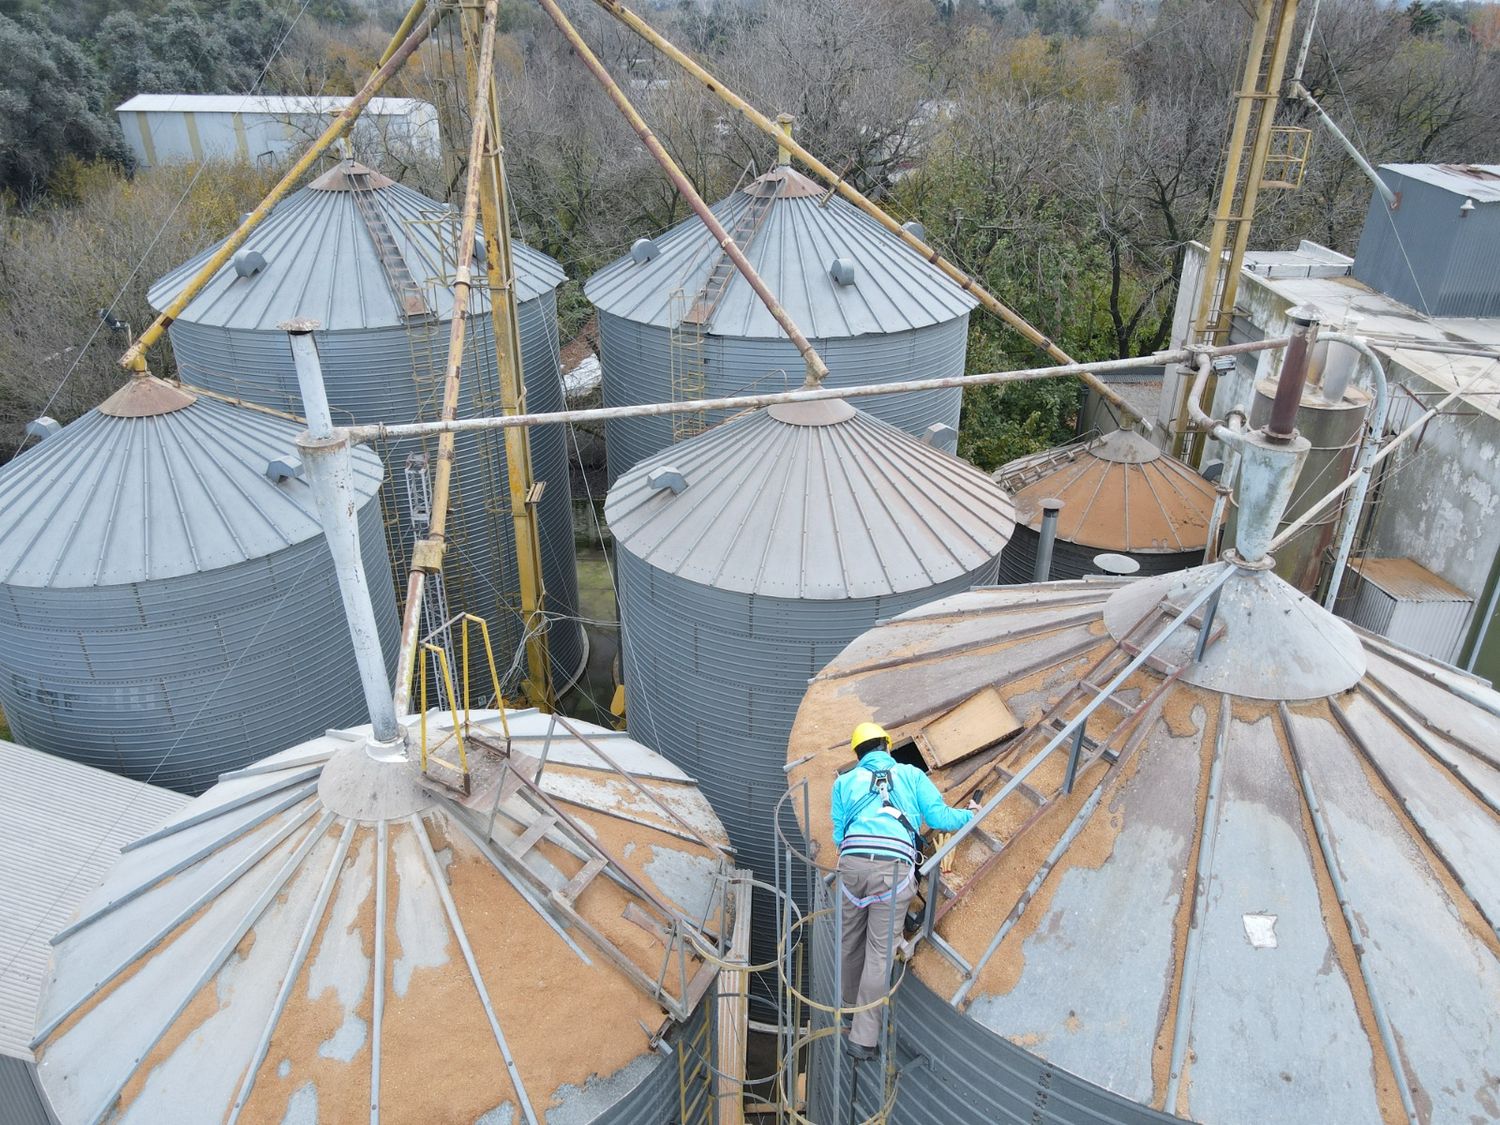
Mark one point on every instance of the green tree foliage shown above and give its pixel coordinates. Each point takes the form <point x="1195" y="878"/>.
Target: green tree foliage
<point x="53" y="105"/>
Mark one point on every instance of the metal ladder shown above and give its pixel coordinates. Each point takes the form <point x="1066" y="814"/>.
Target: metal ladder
<point x="409" y="296"/>
<point x="676" y="988"/>
<point x="1037" y="740"/>
<point x="1042" y="464"/>
<point x="743" y="231"/>
<point x="695" y="1076"/>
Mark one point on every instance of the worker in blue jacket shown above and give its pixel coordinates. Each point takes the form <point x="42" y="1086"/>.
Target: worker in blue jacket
<point x="878" y="810"/>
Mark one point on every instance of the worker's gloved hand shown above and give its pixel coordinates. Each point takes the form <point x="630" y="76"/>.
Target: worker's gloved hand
<point x="974" y="799"/>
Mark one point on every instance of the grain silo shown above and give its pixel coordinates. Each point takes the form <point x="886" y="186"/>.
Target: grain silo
<point x="750" y="556"/>
<point x="372" y="262"/>
<point x="1119" y="494"/>
<point x="678" y="322"/>
<point x="168" y="606"/>
<point x="323" y="937"/>
<point x="1235" y="866"/>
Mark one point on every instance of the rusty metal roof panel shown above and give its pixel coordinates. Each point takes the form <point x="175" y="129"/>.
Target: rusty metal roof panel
<point x="1119" y="493"/>
<point x="320" y="260"/>
<point x="288" y="945"/>
<point x="1221" y="925"/>
<point x="1408" y="580"/>
<point x="893" y="289"/>
<point x="811" y="501"/>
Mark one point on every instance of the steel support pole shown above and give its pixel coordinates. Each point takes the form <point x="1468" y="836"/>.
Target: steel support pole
<point x="964" y="280"/>
<point x="817" y="370"/>
<point x="326" y="454"/>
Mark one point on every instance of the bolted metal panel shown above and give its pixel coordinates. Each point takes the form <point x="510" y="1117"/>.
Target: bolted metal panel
<point x="714" y="678"/>
<point x="178" y="680"/>
<point x="381" y="366"/>
<point x="637" y="361"/>
<point x="1069" y="560"/>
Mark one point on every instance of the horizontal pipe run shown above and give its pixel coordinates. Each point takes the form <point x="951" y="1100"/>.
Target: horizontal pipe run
<point x="381" y="431"/>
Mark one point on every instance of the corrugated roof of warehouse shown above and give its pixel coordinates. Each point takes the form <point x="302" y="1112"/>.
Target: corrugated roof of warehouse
<point x="156" y="482"/>
<point x="321" y="262"/>
<point x="1480" y="182"/>
<point x="62" y="831"/>
<point x="248" y="103"/>
<point x="894" y="289"/>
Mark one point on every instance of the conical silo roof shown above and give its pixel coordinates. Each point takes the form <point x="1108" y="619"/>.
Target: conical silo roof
<point x="316" y="255"/>
<point x="1274" y="898"/>
<point x="792" y="247"/>
<point x="813" y="500"/>
<point x="1120" y="493"/>
<point x="154" y="483"/>
<point x="327" y="936"/>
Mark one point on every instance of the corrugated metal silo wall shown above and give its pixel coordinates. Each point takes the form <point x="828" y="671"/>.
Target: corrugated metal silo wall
<point x="953" y="1070"/>
<point x="714" y="680"/>
<point x="20" y="1097"/>
<point x="175" y="681"/>
<point x="637" y="360"/>
<point x="1071" y="560"/>
<point x="369" y="379"/>
<point x="655" y="1101"/>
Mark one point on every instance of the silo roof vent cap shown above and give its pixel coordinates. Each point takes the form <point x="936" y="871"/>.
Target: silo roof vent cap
<point x="42" y="428"/>
<point x="248" y="263"/>
<point x="667" y="477"/>
<point x="941" y="436"/>
<point x="481" y="251"/>
<point x="280" y="469"/>
<point x="842" y="271"/>
<point x="642" y="250"/>
<point x="915" y="229"/>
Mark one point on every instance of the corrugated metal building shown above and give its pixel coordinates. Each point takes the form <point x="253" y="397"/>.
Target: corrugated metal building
<point x="750" y="556"/>
<point x="1120" y="495"/>
<point x="373" y="263"/>
<point x="62" y="831"/>
<point x="1435" y="251"/>
<point x="168" y="610"/>
<point x="322" y="937"/>
<point x="1275" y="901"/>
<point x="677" y="321"/>
<point x="173" y="128"/>
<point x="1407" y="604"/>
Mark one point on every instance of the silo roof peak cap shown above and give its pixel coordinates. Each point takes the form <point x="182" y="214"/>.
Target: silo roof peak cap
<point x="791" y="183"/>
<point x="337" y="177"/>
<point x="146" y="396"/>
<point x="1125" y="447"/>
<point x="819" y="412"/>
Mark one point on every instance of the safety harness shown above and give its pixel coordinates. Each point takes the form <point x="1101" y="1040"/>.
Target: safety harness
<point x="880" y="789"/>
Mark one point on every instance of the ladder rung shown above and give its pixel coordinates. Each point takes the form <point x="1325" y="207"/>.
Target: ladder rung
<point x="585" y="876"/>
<point x="1152" y="662"/>
<point x="1025" y="790"/>
<point x="1098" y="689"/>
<point x="528" y="839"/>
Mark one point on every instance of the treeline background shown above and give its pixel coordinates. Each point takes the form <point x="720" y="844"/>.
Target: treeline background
<point x="1063" y="150"/>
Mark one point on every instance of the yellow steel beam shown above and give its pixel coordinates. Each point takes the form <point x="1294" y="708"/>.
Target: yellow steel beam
<point x="965" y="281"/>
<point x="478" y="37"/>
<point x="400" y="50"/>
<point x="1239" y="189"/>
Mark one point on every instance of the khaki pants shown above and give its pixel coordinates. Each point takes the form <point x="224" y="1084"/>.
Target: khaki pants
<point x="869" y="933"/>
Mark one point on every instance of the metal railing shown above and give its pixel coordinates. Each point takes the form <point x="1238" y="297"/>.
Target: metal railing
<point x="459" y="704"/>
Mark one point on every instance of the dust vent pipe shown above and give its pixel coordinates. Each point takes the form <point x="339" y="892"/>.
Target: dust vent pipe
<point x="325" y="454"/>
<point x="1050" y="511"/>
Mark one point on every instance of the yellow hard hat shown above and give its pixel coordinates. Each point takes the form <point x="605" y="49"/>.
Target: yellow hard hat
<point x="868" y="732"/>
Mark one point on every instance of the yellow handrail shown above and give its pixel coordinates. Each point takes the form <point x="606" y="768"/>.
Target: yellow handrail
<point x="442" y="659"/>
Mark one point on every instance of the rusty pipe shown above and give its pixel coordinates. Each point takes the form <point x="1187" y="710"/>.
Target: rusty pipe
<point x="1293" y="378"/>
